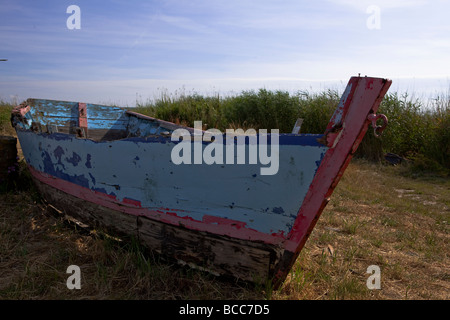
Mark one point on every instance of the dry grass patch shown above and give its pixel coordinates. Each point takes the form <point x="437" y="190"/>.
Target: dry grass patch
<point x="370" y="220"/>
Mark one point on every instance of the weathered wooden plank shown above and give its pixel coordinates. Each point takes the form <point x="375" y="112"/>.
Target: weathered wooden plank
<point x="106" y="134"/>
<point x="47" y="112"/>
<point x="218" y="255"/>
<point x="91" y="214"/>
<point x="223" y="256"/>
<point x="63" y="113"/>
<point x="165" y="125"/>
<point x="297" y="126"/>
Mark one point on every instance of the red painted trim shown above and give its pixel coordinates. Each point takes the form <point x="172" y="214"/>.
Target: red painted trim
<point x="24" y="110"/>
<point x="132" y="202"/>
<point x="220" y="226"/>
<point x="82" y="115"/>
<point x="366" y="95"/>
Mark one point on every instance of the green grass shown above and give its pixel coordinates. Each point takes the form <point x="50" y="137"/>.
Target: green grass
<point x="417" y="130"/>
<point x="262" y="109"/>
<point x="405" y="234"/>
<point x="5" y="115"/>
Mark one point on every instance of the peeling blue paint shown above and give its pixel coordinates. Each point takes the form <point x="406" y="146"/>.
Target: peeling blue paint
<point x="92" y="178"/>
<point x="58" y="136"/>
<point x="102" y="190"/>
<point x="74" y="160"/>
<point x="50" y="169"/>
<point x="278" y="210"/>
<point x="58" y="152"/>
<point x="322" y="155"/>
<point x="88" y="161"/>
<point x="159" y="139"/>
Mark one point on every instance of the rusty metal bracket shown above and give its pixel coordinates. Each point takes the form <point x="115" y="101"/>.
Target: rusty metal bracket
<point x="373" y="118"/>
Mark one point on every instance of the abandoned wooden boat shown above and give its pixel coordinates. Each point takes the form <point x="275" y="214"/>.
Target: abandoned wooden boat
<point x="132" y="174"/>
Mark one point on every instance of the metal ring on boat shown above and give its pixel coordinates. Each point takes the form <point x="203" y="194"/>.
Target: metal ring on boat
<point x="377" y="130"/>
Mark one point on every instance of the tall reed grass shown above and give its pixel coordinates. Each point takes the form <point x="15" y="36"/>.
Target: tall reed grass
<point x="418" y="130"/>
<point x="5" y="116"/>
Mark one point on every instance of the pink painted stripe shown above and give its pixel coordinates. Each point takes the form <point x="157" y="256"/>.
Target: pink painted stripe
<point x="215" y="225"/>
<point x="21" y="110"/>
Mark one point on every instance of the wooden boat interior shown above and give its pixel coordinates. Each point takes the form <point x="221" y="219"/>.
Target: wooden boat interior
<point x="93" y="121"/>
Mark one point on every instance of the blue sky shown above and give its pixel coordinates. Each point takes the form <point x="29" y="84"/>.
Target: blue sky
<point x="128" y="50"/>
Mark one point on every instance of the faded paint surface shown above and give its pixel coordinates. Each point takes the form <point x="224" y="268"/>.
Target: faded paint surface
<point x="139" y="173"/>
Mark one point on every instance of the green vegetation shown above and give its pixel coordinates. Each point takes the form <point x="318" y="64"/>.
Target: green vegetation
<point x="417" y="130"/>
<point x="5" y="115"/>
<point x="261" y="109"/>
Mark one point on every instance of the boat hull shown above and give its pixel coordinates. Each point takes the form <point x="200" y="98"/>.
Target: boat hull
<point x="115" y="169"/>
<point x="138" y="177"/>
